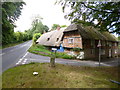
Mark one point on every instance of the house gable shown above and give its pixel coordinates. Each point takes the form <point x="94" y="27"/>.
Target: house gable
<point x="72" y="39"/>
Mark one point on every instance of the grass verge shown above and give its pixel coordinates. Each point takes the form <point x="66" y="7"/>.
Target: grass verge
<point x="62" y="76"/>
<point x="41" y="50"/>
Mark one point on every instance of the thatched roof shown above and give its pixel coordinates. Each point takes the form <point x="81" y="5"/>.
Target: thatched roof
<point x="52" y="38"/>
<point x="109" y="36"/>
<point x="89" y="32"/>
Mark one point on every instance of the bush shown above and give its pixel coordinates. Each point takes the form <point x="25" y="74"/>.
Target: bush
<point x="64" y="55"/>
<point x="38" y="49"/>
<point x="77" y="49"/>
<point x="35" y="37"/>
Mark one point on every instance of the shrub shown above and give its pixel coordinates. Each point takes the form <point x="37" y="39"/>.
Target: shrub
<point x="64" y="55"/>
<point x="77" y="49"/>
<point x="35" y="37"/>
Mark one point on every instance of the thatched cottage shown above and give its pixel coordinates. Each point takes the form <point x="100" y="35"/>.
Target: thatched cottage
<point x="52" y="38"/>
<point x="85" y="39"/>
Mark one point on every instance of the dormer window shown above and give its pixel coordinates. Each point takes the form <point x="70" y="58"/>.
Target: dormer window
<point x="48" y="39"/>
<point x="57" y="39"/>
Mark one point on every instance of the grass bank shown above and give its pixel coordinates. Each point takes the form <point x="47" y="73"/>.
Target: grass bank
<point x="41" y="50"/>
<point x="62" y="76"/>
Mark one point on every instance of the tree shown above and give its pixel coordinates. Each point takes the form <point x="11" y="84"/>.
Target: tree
<point x="106" y="14"/>
<point x="119" y="38"/>
<point x="35" y="37"/>
<point x="46" y="28"/>
<point x="54" y="26"/>
<point x="62" y="26"/>
<point x="38" y="27"/>
<point x="10" y="13"/>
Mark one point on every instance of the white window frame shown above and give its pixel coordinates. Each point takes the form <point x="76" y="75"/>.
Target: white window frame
<point x="116" y="51"/>
<point x="69" y="40"/>
<point x="115" y="44"/>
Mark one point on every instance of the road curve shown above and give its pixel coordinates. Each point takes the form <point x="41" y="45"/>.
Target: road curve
<point x="12" y="55"/>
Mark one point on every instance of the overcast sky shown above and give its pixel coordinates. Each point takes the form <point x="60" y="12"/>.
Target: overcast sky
<point x="51" y="14"/>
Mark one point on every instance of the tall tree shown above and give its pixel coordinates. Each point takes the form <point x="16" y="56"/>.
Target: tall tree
<point x="105" y="14"/>
<point x="10" y="13"/>
<point x="37" y="26"/>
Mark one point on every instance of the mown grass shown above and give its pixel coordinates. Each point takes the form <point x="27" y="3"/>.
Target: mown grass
<point x="41" y="50"/>
<point x="62" y="76"/>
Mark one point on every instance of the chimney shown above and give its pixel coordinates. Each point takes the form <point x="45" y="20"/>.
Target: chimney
<point x="58" y="28"/>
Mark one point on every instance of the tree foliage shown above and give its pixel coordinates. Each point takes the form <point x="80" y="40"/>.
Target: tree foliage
<point x="54" y="26"/>
<point x="62" y="26"/>
<point x="38" y="27"/>
<point x="106" y="14"/>
<point x="10" y="13"/>
<point x="35" y="37"/>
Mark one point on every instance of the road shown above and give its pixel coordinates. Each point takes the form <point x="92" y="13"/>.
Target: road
<point x="43" y="59"/>
<point x="18" y="55"/>
<point x="10" y="56"/>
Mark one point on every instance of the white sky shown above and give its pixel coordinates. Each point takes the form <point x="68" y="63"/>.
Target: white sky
<point x="51" y="14"/>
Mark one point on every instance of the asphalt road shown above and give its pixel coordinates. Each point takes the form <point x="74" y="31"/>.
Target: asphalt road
<point x="29" y="57"/>
<point x="18" y="55"/>
<point x="10" y="56"/>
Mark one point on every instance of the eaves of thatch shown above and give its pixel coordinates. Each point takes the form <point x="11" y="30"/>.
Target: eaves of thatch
<point x="89" y="32"/>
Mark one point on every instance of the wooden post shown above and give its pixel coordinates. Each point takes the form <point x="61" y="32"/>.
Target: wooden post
<point x="53" y="55"/>
<point x="52" y="60"/>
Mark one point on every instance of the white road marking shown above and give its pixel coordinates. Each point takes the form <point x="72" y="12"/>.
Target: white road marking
<point x="25" y="55"/>
<point x="23" y="63"/>
<point x="25" y="60"/>
<point x="105" y="64"/>
<point x="22" y="59"/>
<point x="102" y="64"/>
<point x="2" y="54"/>
<point x="29" y="47"/>
<point x="17" y="63"/>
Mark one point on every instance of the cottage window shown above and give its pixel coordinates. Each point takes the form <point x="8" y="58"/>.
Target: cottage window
<point x="102" y="51"/>
<point x="115" y="51"/>
<point x="110" y="43"/>
<point x="103" y="43"/>
<point x="93" y="43"/>
<point x="92" y="51"/>
<point x="107" y="43"/>
<point x="48" y="39"/>
<point x="70" y="40"/>
<point x="115" y="44"/>
<point x="57" y="39"/>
